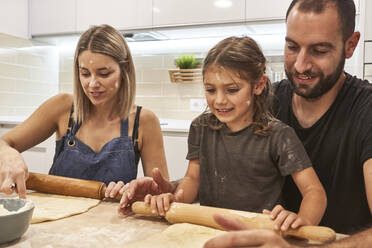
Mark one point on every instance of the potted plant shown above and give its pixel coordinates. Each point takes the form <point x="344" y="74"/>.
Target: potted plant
<point x="189" y="69"/>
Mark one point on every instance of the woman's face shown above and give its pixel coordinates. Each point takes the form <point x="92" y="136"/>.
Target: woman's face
<point x="99" y="76"/>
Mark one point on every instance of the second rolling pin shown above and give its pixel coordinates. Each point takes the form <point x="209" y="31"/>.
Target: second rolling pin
<point x="202" y="215"/>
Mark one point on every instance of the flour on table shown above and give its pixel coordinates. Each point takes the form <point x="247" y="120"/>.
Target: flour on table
<point x="54" y="207"/>
<point x="182" y="235"/>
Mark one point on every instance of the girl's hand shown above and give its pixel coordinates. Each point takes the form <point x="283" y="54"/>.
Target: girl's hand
<point x="285" y="219"/>
<point x="160" y="203"/>
<point x="113" y="189"/>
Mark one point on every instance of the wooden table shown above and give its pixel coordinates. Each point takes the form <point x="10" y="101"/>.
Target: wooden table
<point x="101" y="226"/>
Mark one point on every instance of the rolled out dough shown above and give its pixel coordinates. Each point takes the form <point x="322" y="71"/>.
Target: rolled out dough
<point x="54" y="207"/>
<point x="182" y="235"/>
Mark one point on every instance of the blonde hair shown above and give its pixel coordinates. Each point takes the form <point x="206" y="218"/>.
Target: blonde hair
<point x="106" y="40"/>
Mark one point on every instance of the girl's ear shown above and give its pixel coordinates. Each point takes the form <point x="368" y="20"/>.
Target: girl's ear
<point x="260" y="85"/>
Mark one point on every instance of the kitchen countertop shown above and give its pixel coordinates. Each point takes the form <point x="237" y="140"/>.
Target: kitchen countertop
<point x="101" y="226"/>
<point x="167" y="125"/>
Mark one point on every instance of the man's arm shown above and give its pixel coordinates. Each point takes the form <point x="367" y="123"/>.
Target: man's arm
<point x="241" y="235"/>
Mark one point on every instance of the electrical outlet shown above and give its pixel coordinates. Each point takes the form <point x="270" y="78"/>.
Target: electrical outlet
<point x="197" y="105"/>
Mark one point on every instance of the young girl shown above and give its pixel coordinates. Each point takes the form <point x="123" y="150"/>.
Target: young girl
<point x="238" y="153"/>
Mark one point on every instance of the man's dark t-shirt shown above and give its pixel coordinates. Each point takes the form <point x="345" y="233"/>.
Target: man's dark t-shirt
<point x="338" y="144"/>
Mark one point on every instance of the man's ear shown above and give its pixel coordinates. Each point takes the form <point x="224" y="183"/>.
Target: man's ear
<point x="260" y="85"/>
<point x="351" y="43"/>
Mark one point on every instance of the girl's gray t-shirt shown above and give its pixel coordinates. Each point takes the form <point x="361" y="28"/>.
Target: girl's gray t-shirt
<point x="243" y="170"/>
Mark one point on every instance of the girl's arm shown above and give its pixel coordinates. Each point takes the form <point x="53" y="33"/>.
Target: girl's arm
<point x="313" y="205"/>
<point x="314" y="199"/>
<point x="186" y="191"/>
<point x="50" y="117"/>
<point x="151" y="144"/>
<point x="190" y="183"/>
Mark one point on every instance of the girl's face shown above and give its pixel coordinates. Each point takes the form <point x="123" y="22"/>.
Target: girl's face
<point x="99" y="76"/>
<point x="229" y="97"/>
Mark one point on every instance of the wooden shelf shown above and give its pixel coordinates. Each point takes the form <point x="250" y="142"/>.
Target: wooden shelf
<point x="186" y="75"/>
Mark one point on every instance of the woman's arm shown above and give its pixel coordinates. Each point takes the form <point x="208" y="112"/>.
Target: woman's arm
<point x="314" y="199"/>
<point x="39" y="126"/>
<point x="150" y="143"/>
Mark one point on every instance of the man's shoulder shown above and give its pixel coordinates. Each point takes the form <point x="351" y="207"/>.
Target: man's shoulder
<point x="358" y="83"/>
<point x="359" y="90"/>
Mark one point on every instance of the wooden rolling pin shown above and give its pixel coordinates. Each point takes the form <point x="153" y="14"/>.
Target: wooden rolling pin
<point x="66" y="186"/>
<point x="202" y="215"/>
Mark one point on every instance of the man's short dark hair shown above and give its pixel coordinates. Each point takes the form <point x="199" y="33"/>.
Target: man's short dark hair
<point x="345" y="9"/>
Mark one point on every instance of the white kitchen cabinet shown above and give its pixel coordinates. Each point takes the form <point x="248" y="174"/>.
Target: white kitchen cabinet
<point x="39" y="158"/>
<point x="175" y="146"/>
<point x="270" y="9"/>
<point x="357" y="4"/>
<point x="121" y="14"/>
<point x="266" y="9"/>
<point x="171" y="12"/>
<point x="368" y="52"/>
<point x="52" y="16"/>
<point x="14" y="18"/>
<point x="368" y="71"/>
<point x="368" y="20"/>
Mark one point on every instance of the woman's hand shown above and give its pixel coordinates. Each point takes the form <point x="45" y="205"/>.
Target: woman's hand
<point x="113" y="189"/>
<point x="160" y="203"/>
<point x="285" y="219"/>
<point x="13" y="171"/>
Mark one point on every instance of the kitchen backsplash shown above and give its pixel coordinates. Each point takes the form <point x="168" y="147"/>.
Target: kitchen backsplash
<point x="29" y="74"/>
<point x="154" y="89"/>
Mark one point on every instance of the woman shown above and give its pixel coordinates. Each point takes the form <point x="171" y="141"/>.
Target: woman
<point x="100" y="133"/>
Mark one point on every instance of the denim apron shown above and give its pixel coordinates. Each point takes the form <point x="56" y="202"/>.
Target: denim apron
<point x="114" y="162"/>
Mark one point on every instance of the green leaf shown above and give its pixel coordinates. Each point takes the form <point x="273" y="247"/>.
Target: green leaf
<point x="187" y="62"/>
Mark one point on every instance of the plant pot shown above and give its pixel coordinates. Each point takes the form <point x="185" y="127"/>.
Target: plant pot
<point x="186" y="75"/>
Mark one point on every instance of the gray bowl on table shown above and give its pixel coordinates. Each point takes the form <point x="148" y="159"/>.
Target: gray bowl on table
<point x="15" y="223"/>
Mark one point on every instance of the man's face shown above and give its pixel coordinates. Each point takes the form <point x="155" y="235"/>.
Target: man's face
<point x="314" y="51"/>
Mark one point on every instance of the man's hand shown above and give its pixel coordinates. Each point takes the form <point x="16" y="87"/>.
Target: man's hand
<point x="242" y="235"/>
<point x="137" y="189"/>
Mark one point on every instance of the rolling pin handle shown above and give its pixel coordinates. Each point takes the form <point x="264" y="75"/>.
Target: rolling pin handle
<point x="143" y="209"/>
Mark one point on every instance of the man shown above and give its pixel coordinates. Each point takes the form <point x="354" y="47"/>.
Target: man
<point x="243" y="236"/>
<point x="330" y="110"/>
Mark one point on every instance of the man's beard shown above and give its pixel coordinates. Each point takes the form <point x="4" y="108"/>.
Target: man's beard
<point x="324" y="84"/>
